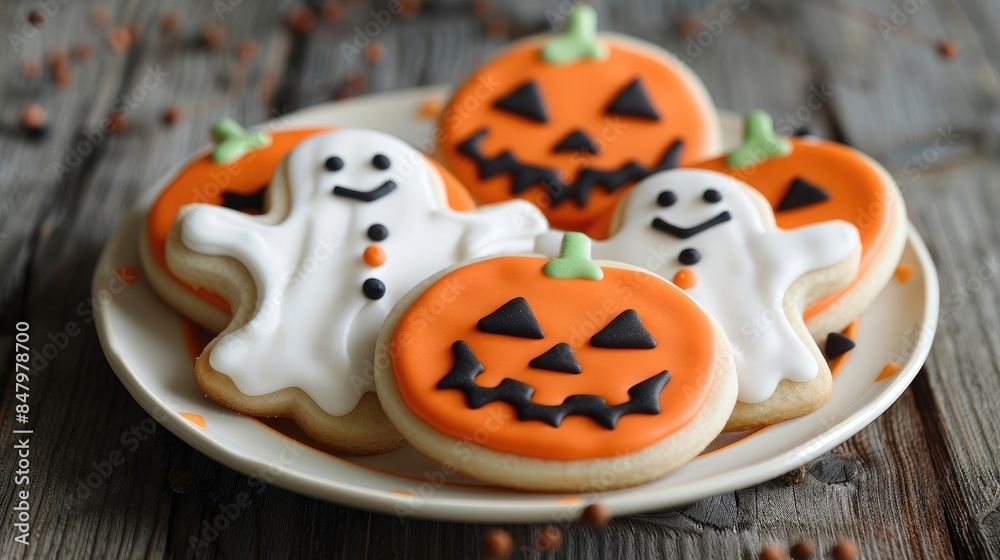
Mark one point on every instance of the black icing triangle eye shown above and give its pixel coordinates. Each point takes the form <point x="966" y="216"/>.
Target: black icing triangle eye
<point x="525" y="101"/>
<point x="559" y="358"/>
<point x="802" y="193"/>
<point x="576" y="141"/>
<point x="633" y="101"/>
<point x="514" y="318"/>
<point x="624" y="331"/>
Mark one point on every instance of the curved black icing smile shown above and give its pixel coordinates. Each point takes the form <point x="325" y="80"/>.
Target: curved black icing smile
<point x="523" y="175"/>
<point x="684" y="233"/>
<point x="366" y="196"/>
<point x="644" y="396"/>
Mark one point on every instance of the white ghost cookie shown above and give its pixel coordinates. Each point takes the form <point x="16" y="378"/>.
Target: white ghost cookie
<point x="716" y="237"/>
<point x="356" y="219"/>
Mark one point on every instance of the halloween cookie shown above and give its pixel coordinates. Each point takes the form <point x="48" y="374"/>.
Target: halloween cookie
<point x="570" y="121"/>
<point x="560" y="375"/>
<point x="238" y="183"/>
<point x="715" y="237"/>
<point x="355" y="218"/>
<point x="808" y="180"/>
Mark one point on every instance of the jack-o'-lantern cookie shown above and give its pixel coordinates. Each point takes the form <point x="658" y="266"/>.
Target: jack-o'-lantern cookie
<point x="355" y="218"/>
<point x="808" y="180"/>
<point x="715" y="237"/>
<point x="234" y="174"/>
<point x="562" y="375"/>
<point x="570" y="121"/>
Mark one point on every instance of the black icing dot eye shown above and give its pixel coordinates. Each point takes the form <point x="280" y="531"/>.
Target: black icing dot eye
<point x="378" y="232"/>
<point x="373" y="288"/>
<point x="711" y="195"/>
<point x="380" y="162"/>
<point x="666" y="198"/>
<point x="333" y="163"/>
<point x="689" y="256"/>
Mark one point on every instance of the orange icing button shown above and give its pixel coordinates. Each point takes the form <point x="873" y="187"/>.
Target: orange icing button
<point x="127" y="274"/>
<point x="857" y="188"/>
<point x="205" y="181"/>
<point x="374" y="255"/>
<point x="685" y="278"/>
<point x="578" y="131"/>
<point x="890" y="369"/>
<point x="196" y="419"/>
<point x="569" y="311"/>
<point x="904" y="272"/>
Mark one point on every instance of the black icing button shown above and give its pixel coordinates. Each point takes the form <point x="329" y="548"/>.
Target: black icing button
<point x="333" y="163"/>
<point x="373" y="288"/>
<point x="689" y="256"/>
<point x="712" y="195"/>
<point x="378" y="232"/>
<point x="380" y="162"/>
<point x="666" y="198"/>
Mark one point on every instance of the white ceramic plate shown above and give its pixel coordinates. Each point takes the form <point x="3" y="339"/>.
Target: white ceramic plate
<point x="144" y="341"/>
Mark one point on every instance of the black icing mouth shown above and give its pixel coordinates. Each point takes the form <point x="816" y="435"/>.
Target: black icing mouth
<point x="683" y="233"/>
<point x="523" y="175"/>
<point x="366" y="196"/>
<point x="645" y="395"/>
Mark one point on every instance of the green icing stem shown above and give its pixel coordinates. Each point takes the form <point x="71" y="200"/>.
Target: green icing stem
<point x="232" y="140"/>
<point x="759" y="142"/>
<point x="573" y="260"/>
<point x="578" y="41"/>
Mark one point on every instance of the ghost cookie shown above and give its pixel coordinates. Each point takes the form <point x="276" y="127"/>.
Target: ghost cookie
<point x="236" y="179"/>
<point x="355" y="218"/>
<point x="557" y="375"/>
<point x="570" y="121"/>
<point x="808" y="180"/>
<point x="715" y="237"/>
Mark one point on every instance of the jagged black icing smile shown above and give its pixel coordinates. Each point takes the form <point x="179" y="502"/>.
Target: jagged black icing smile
<point x="645" y="395"/>
<point x="366" y="196"/>
<point x="683" y="233"/>
<point x="523" y="175"/>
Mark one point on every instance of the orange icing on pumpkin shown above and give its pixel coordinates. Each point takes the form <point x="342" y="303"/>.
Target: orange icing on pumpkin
<point x="205" y="181"/>
<point x="858" y="190"/>
<point x="575" y="97"/>
<point x="569" y="311"/>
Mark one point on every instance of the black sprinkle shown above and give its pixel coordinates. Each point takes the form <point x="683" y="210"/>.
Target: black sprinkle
<point x="558" y="358"/>
<point x="837" y="345"/>
<point x="373" y="288"/>
<point x="624" y="331"/>
<point x="378" y="232"/>
<point x="513" y="318"/>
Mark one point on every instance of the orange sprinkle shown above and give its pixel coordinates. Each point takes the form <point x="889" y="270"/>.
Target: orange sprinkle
<point x="890" y="369"/>
<point x="430" y="107"/>
<point x="196" y="419"/>
<point x="127" y="274"/>
<point x="904" y="272"/>
<point x="374" y="255"/>
<point x="685" y="278"/>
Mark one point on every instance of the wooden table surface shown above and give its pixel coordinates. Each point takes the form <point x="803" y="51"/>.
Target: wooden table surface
<point x="921" y="482"/>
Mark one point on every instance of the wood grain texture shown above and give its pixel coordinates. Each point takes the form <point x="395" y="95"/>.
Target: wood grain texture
<point x="921" y="482"/>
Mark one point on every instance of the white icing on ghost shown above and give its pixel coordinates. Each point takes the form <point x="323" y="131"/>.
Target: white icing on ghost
<point x="744" y="271"/>
<point x="313" y="326"/>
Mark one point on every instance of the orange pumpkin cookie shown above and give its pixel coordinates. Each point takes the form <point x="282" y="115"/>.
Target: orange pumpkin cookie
<point x="558" y="375"/>
<point x="809" y="180"/>
<point x="238" y="183"/>
<point x="571" y="121"/>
